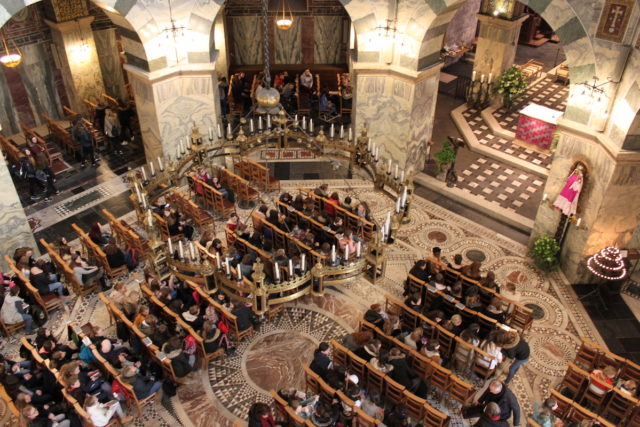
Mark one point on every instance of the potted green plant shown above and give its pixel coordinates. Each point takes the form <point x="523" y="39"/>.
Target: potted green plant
<point x="511" y="85"/>
<point x="545" y="251"/>
<point x="445" y="156"/>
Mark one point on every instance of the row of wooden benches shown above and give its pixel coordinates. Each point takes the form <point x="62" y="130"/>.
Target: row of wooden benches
<point x="210" y="198"/>
<point x="256" y="173"/>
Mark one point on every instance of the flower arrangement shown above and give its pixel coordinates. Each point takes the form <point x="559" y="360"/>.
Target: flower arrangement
<point x="545" y="252"/>
<point x="445" y="156"/>
<point x="511" y="85"/>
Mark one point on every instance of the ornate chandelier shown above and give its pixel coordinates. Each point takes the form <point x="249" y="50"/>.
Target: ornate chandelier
<point x="607" y="264"/>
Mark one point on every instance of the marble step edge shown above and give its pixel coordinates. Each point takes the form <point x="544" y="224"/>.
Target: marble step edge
<point x="463" y="197"/>
<point x="475" y="146"/>
<point x="496" y="128"/>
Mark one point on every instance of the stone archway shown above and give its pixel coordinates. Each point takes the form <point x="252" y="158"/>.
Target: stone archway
<point x="559" y="14"/>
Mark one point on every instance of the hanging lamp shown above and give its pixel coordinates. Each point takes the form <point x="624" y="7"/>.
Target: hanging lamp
<point x="10" y="59"/>
<point x="267" y="97"/>
<point x="284" y="22"/>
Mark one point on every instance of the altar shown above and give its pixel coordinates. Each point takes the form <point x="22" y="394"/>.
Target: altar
<point x="536" y="126"/>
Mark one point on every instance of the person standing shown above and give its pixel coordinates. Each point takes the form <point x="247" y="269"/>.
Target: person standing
<point x="516" y="348"/>
<point x="112" y="130"/>
<point x="83" y="137"/>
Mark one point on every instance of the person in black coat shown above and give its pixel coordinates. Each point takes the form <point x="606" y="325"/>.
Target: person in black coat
<point x="404" y="375"/>
<point x="498" y="393"/>
<point x="517" y="349"/>
<point x="179" y="359"/>
<point x="244" y="316"/>
<point x="491" y="417"/>
<point x="374" y="315"/>
<point x="321" y="362"/>
<point x="369" y="350"/>
<point x="143" y="386"/>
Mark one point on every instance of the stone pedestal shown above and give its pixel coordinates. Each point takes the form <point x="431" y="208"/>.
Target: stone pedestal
<point x="497" y="44"/>
<point x="78" y="59"/>
<point x="170" y="101"/>
<point x="14" y="226"/>
<point x="609" y="205"/>
<point x="397" y="107"/>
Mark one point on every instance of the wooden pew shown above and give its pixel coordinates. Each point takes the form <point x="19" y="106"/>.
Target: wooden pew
<point x="11" y="151"/>
<point x="317" y="228"/>
<point x="212" y="198"/>
<point x="61" y="136"/>
<point x="66" y="272"/>
<point x="197" y="214"/>
<point x="126" y="235"/>
<point x="97" y="254"/>
<point x="359" y="226"/>
<point x="256" y="173"/>
<point x="48" y="302"/>
<point x="245" y="194"/>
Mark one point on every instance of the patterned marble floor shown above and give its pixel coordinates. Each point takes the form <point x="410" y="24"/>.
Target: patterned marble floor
<point x="221" y="395"/>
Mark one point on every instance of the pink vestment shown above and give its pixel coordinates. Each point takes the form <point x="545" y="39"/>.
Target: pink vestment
<point x="567" y="200"/>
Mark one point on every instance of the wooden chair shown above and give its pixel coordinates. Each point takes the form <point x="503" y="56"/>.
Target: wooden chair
<point x="311" y="380"/>
<point x="362" y="419"/>
<point x="415" y="405"/>
<point x="564" y="404"/>
<point x="595" y="395"/>
<point x="440" y="379"/>
<point x="574" y="381"/>
<point x="296" y="420"/>
<point x="634" y="419"/>
<point x="459" y="391"/>
<point x="394" y="391"/>
<point x="434" y="418"/>
<point x="463" y="355"/>
<point x="521" y="318"/>
<point x="280" y="403"/>
<point x="327" y="393"/>
<point x="630" y="371"/>
<point x="375" y="380"/>
<point x="133" y="398"/>
<point x="532" y="423"/>
<point x="340" y="354"/>
<point x="579" y="413"/>
<point x="587" y="355"/>
<point x="9" y="329"/>
<point x="620" y="405"/>
<point x="358" y="366"/>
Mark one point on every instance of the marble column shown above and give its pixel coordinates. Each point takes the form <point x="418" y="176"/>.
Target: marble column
<point x="170" y="101"/>
<point x="78" y="60"/>
<point x="497" y="44"/>
<point x="397" y="106"/>
<point x="609" y="205"/>
<point x="14" y="226"/>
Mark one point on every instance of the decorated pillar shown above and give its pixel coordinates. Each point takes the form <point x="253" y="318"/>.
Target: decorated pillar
<point x="14" y="225"/>
<point x="497" y="44"/>
<point x="608" y="203"/>
<point x="171" y="101"/>
<point x="75" y="50"/>
<point x="397" y="107"/>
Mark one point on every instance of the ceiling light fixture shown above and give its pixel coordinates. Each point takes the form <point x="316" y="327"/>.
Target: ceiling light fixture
<point x="10" y="59"/>
<point x="284" y="23"/>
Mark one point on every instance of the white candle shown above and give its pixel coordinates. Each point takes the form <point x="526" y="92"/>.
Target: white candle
<point x="377" y="152"/>
<point x="350" y="134"/>
<point x="192" y="251"/>
<point x="404" y="196"/>
<point x="229" y="133"/>
<point x="389" y="166"/>
<point x="395" y="174"/>
<point x="341" y="131"/>
<point x="150" y="218"/>
<point x="473" y="76"/>
<point x="304" y="123"/>
<point x="290" y="268"/>
<point x="490" y="77"/>
<point x="170" y="247"/>
<point x="303" y="262"/>
<point x="239" y="270"/>
<point x="251" y="126"/>
<point x="144" y="202"/>
<point x="402" y="175"/>
<point x="268" y="121"/>
<point x="579" y="222"/>
<point x="227" y="267"/>
<point x="276" y="270"/>
<point x="181" y="147"/>
<point x="358" y="249"/>
<point x="387" y="223"/>
<point x="180" y="249"/>
<point x="333" y="253"/>
<point x="135" y="184"/>
<point x="545" y="196"/>
<point x="160" y="164"/>
<point x="219" y="131"/>
<point x="260" y="123"/>
<point x="177" y="153"/>
<point x="188" y="142"/>
<point x="153" y="171"/>
<point x="398" y="205"/>
<point x="369" y="145"/>
<point x="218" y="260"/>
<point x="482" y="78"/>
<point x="311" y="125"/>
<point x="295" y="118"/>
<point x="332" y="131"/>
<point x="346" y="252"/>
<point x="210" y="133"/>
<point x="144" y="173"/>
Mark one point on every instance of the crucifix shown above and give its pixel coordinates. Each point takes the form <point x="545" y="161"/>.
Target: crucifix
<point x="615" y="13"/>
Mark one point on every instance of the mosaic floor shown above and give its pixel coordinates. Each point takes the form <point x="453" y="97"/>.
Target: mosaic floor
<point x="218" y="396"/>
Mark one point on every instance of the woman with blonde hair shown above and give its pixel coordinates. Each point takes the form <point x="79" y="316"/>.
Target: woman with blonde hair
<point x="414" y="338"/>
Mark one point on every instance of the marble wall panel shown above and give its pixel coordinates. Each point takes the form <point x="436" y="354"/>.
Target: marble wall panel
<point x="39" y="81"/>
<point x="288" y="44"/>
<point x="147" y="115"/>
<point x="327" y="39"/>
<point x="85" y="68"/>
<point x="19" y="95"/>
<point x="14" y="227"/>
<point x="422" y="116"/>
<point x="462" y="28"/>
<point x="109" y="60"/>
<point x="383" y="105"/>
<point x="247" y="40"/>
<point x="8" y="114"/>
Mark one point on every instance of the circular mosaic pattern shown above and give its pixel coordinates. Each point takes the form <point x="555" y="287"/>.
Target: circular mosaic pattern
<point x="551" y="312"/>
<point x="432" y="233"/>
<point x="551" y="349"/>
<point x="234" y="380"/>
<point x="271" y="364"/>
<point x="475" y="255"/>
<point x="518" y="271"/>
<point x="437" y="236"/>
<point x="537" y="313"/>
<point x="475" y="247"/>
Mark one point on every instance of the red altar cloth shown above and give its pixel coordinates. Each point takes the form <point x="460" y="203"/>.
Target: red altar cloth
<point x="536" y="125"/>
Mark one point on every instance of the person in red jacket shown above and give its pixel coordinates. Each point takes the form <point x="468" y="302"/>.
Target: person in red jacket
<point x="260" y="416"/>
